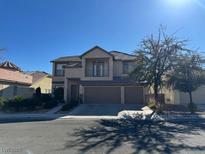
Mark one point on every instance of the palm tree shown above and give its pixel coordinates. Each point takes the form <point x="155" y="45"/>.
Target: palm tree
<point x="188" y="75"/>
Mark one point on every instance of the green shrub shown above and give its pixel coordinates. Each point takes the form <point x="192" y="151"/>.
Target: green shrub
<point x="2" y="102"/>
<point x="50" y="104"/>
<point x="30" y="103"/>
<point x="192" y="107"/>
<point x="16" y="103"/>
<point x="18" y="98"/>
<point x="59" y="94"/>
<point x="46" y="97"/>
<point x="19" y="103"/>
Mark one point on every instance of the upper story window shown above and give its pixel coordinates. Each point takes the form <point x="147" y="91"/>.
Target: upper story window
<point x="59" y="71"/>
<point x="125" y="67"/>
<point x="128" y="67"/>
<point x="96" y="68"/>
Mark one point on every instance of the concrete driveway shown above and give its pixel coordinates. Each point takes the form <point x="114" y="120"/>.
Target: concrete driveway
<point x="103" y="110"/>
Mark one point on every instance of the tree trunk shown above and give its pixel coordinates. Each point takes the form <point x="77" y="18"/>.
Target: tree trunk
<point x="190" y="97"/>
<point x="156" y="96"/>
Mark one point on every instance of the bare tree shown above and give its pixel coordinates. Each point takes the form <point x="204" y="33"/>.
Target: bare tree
<point x="156" y="57"/>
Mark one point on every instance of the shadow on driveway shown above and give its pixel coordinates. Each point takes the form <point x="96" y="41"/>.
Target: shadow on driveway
<point x="103" y="109"/>
<point x="143" y="136"/>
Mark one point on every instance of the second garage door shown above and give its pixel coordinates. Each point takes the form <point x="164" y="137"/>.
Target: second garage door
<point x="134" y="95"/>
<point x="102" y="95"/>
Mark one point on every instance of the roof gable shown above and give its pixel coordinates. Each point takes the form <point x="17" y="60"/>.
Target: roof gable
<point x="96" y="48"/>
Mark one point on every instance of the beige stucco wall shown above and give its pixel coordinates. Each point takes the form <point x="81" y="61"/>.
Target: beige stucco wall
<point x="25" y="91"/>
<point x="177" y="97"/>
<point x="10" y="91"/>
<point x="73" y="73"/>
<point x="198" y="96"/>
<point x="97" y="53"/>
<point x="70" y="73"/>
<point x="45" y="84"/>
<point x="118" y="68"/>
<point x="171" y="96"/>
<point x="58" y="78"/>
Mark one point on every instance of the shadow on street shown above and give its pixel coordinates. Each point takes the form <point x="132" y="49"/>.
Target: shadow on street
<point x="144" y="136"/>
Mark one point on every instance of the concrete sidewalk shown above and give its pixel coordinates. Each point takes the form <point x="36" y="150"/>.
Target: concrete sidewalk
<point x="42" y="117"/>
<point x="49" y="117"/>
<point x="55" y="109"/>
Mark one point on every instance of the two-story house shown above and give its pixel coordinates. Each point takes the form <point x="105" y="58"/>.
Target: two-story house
<point x="97" y="76"/>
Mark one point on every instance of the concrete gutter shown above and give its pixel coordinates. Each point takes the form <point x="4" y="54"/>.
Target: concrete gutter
<point x="49" y="117"/>
<point x="62" y="116"/>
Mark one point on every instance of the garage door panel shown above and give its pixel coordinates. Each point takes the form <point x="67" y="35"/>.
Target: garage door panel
<point x="134" y="95"/>
<point x="102" y="95"/>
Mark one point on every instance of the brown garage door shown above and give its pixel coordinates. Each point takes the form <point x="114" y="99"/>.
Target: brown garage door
<point x="133" y="95"/>
<point x="102" y="95"/>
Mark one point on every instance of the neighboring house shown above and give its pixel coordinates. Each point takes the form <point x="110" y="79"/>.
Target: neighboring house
<point x="98" y="76"/>
<point x="177" y="97"/>
<point x="14" y="82"/>
<point x="42" y="80"/>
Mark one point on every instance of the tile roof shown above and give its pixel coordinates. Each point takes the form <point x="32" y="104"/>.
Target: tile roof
<point x="37" y="75"/>
<point x="67" y="58"/>
<point x="122" y="56"/>
<point x="10" y="65"/>
<point x="117" y="56"/>
<point x="13" y="76"/>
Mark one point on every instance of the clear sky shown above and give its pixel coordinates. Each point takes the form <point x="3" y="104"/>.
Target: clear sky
<point x="37" y="31"/>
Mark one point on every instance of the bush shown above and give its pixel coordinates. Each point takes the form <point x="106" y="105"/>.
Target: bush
<point x="59" y="94"/>
<point x="46" y="97"/>
<point x="2" y="102"/>
<point x="152" y="104"/>
<point x="50" y="104"/>
<point x="192" y="107"/>
<point x="19" y="104"/>
<point x="16" y="103"/>
<point x="18" y="98"/>
<point x="33" y="103"/>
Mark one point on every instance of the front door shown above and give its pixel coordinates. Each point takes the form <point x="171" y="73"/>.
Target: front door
<point x="74" y="92"/>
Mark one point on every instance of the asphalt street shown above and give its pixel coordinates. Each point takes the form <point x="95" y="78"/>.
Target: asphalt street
<point x="89" y="136"/>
